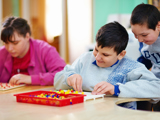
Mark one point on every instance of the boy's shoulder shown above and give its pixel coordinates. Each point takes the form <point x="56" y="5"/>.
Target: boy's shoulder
<point x="127" y="61"/>
<point x="87" y="56"/>
<point x="127" y="65"/>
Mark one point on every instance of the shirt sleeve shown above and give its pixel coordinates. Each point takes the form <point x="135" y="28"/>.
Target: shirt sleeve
<point x="52" y="63"/>
<point x="60" y="80"/>
<point x="116" y="90"/>
<point x="142" y="83"/>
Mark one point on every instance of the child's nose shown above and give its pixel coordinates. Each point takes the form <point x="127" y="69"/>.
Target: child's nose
<point x="10" y="47"/>
<point x="140" y="39"/>
<point x="98" y="57"/>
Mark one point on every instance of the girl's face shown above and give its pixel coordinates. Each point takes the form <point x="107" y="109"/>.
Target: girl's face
<point x="144" y="34"/>
<point x="19" y="47"/>
<point x="106" y="57"/>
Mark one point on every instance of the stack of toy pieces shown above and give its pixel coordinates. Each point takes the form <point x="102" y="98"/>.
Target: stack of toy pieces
<point x="68" y="92"/>
<point x="57" y="96"/>
<point x="49" y="96"/>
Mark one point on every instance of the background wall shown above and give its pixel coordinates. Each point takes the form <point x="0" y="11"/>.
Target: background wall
<point x="10" y="7"/>
<point x="104" y="8"/>
<point x="79" y="27"/>
<point x="78" y="19"/>
<point x="106" y="11"/>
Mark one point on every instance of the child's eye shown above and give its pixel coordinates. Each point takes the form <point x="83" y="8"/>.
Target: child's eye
<point x="105" y="55"/>
<point x="15" y="43"/>
<point x="144" y="35"/>
<point x="96" y="50"/>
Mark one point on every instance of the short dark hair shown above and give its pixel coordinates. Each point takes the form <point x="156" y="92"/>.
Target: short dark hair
<point x="112" y="35"/>
<point x="145" y="14"/>
<point x="13" y="24"/>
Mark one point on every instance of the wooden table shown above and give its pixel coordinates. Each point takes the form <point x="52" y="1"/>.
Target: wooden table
<point x="99" y="109"/>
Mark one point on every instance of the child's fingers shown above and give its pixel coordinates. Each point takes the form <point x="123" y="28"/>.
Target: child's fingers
<point x="104" y="90"/>
<point x="79" y="84"/>
<point x="96" y="87"/>
<point x="107" y="89"/>
<point x="80" y="87"/>
<point x="11" y="81"/>
<point x="14" y="79"/>
<point x="74" y="84"/>
<point x="81" y="90"/>
<point x="101" y="88"/>
<point x="94" y="92"/>
<point x="75" y="81"/>
<point x="68" y="81"/>
<point x="19" y="82"/>
<point x="16" y="82"/>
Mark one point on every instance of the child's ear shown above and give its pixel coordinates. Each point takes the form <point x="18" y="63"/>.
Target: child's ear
<point x="158" y="26"/>
<point x="27" y="36"/>
<point x="121" y="55"/>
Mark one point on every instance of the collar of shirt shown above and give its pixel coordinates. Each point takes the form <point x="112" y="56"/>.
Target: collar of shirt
<point x="94" y="62"/>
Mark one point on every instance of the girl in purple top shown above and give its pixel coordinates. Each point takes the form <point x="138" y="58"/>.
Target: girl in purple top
<point x="42" y="63"/>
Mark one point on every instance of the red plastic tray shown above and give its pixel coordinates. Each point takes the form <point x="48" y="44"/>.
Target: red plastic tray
<point x="29" y="97"/>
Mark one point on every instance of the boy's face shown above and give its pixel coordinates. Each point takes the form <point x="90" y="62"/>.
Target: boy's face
<point x="19" y="47"/>
<point x="105" y="57"/>
<point x="144" y="34"/>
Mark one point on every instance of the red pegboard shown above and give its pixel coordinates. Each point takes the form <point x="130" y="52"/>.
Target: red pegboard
<point x="30" y="97"/>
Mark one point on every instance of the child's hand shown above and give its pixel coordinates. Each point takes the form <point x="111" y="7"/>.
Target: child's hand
<point x="75" y="81"/>
<point x="20" y="78"/>
<point x="103" y="88"/>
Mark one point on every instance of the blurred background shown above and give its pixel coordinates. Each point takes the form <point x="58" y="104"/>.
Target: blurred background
<point x="71" y="25"/>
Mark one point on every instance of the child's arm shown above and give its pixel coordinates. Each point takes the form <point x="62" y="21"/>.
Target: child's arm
<point x="46" y="63"/>
<point x="142" y="83"/>
<point x="63" y="79"/>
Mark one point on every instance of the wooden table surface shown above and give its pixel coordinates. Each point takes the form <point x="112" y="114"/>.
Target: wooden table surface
<point x="99" y="109"/>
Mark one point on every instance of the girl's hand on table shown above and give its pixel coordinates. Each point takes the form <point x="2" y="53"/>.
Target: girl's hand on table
<point x="19" y="79"/>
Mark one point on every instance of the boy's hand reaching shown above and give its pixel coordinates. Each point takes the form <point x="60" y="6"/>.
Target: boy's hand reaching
<point x="75" y="81"/>
<point x="103" y="88"/>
